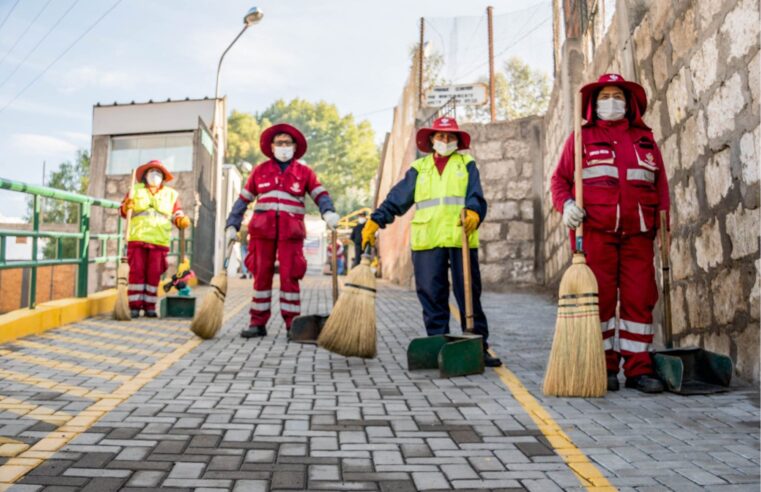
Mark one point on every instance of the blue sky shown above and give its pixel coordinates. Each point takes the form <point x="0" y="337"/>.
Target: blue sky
<point x="349" y="52"/>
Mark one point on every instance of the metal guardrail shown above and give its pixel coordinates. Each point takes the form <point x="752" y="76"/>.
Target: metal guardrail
<point x="84" y="236"/>
<point x="449" y="108"/>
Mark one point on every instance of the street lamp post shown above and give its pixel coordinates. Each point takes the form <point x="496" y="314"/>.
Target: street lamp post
<point x="253" y="16"/>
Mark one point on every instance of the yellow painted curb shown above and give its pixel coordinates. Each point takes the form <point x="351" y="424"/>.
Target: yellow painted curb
<point x="53" y="314"/>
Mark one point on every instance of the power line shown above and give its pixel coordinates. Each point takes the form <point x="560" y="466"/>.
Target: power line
<point x="9" y="14"/>
<point x="512" y="45"/>
<point x="29" y="26"/>
<point x="52" y="28"/>
<point x="63" y="53"/>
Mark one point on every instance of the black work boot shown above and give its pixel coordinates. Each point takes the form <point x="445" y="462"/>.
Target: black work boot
<point x="646" y="383"/>
<point x="613" y="381"/>
<point x="151" y="314"/>
<point x="254" y="331"/>
<point x="134" y="313"/>
<point x="491" y="361"/>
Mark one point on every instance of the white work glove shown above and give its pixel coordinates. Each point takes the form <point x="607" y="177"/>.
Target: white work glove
<point x="572" y="214"/>
<point x="231" y="234"/>
<point x="331" y="219"/>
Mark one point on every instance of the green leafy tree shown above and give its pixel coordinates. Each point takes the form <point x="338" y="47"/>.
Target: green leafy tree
<point x="519" y="91"/>
<point x="340" y="150"/>
<point x="70" y="176"/>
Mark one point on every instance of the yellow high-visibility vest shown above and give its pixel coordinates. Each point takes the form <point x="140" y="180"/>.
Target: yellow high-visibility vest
<point x="152" y="216"/>
<point x="439" y="199"/>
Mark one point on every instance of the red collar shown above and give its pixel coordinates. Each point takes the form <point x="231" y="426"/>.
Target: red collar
<point x="440" y="161"/>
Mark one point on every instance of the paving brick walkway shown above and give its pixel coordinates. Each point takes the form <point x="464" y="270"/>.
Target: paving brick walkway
<point x="256" y="415"/>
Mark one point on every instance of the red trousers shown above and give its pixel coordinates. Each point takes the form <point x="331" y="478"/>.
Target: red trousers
<point x="147" y="262"/>
<point x="623" y="266"/>
<point x="293" y="265"/>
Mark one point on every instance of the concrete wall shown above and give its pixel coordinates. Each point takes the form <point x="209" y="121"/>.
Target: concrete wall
<point x="699" y="63"/>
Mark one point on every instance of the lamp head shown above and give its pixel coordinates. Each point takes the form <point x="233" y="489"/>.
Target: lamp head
<point x="253" y="16"/>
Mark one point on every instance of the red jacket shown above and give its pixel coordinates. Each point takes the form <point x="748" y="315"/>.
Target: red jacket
<point x="625" y="183"/>
<point x="279" y="209"/>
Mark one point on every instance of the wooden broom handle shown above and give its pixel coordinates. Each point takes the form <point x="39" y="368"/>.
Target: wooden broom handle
<point x="666" y="270"/>
<point x="182" y="245"/>
<point x="466" y="279"/>
<point x="129" y="212"/>
<point x="577" y="177"/>
<point x="334" y="264"/>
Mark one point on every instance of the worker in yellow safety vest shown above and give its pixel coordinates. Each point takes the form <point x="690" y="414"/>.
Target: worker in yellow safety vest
<point x="440" y="185"/>
<point x="155" y="207"/>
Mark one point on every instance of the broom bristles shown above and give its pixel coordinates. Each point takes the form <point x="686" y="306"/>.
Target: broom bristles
<point x="576" y="365"/>
<point x="121" y="307"/>
<point x="351" y="328"/>
<point x="208" y="319"/>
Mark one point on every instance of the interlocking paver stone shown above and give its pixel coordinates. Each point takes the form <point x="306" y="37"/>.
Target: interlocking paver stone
<point x="265" y="414"/>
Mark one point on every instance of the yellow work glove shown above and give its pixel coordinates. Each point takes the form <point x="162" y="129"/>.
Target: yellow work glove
<point x="183" y="222"/>
<point x="471" y="221"/>
<point x="368" y="233"/>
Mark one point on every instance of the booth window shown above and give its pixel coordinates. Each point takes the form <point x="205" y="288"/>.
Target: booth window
<point x="174" y="150"/>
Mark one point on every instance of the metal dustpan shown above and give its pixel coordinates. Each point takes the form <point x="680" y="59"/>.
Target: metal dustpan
<point x="686" y="370"/>
<point x="452" y="355"/>
<point x="307" y="328"/>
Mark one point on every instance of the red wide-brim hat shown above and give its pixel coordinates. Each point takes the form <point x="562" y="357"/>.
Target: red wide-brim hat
<point x="443" y="124"/>
<point x="632" y="88"/>
<point x="265" y="141"/>
<point x="140" y="171"/>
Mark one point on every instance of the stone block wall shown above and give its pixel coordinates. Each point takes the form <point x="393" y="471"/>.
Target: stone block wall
<point x="508" y="155"/>
<point x="699" y="63"/>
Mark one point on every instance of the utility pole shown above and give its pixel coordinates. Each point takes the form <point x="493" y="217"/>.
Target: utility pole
<point x="420" y="62"/>
<point x="492" y="107"/>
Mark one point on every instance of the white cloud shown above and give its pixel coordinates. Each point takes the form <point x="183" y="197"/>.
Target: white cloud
<point x="78" y="137"/>
<point x="33" y="143"/>
<point x="89" y="77"/>
<point x="43" y="109"/>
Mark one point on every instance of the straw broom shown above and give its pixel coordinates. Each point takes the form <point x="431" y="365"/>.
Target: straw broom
<point x="121" y="307"/>
<point x="576" y="366"/>
<point x="208" y="320"/>
<point x="350" y="330"/>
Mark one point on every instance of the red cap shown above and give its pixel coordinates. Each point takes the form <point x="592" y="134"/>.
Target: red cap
<point x="265" y="141"/>
<point x="636" y="96"/>
<point x="140" y="171"/>
<point x="443" y="124"/>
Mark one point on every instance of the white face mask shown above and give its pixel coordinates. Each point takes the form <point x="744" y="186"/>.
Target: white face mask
<point x="284" y="154"/>
<point x="362" y="220"/>
<point x="154" y="178"/>
<point x="444" y="148"/>
<point x="611" y="109"/>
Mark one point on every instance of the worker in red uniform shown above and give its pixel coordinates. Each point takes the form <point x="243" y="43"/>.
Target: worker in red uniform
<point x="625" y="188"/>
<point x="155" y="207"/>
<point x="279" y="186"/>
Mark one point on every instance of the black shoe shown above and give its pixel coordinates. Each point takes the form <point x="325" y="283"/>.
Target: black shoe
<point x="134" y="313"/>
<point x="151" y="314"/>
<point x="490" y="361"/>
<point x="613" y="381"/>
<point x="645" y="383"/>
<point x="253" y="332"/>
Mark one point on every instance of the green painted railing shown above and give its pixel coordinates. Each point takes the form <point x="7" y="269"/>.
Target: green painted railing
<point x="82" y="259"/>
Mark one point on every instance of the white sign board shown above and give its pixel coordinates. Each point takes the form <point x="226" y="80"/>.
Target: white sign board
<point x="465" y="94"/>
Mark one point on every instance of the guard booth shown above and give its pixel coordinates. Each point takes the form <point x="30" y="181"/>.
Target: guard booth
<point x="177" y="133"/>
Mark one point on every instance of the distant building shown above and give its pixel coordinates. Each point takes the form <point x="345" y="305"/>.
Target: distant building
<point x="181" y="135"/>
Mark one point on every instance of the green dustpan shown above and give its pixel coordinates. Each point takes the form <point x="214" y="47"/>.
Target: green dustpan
<point x="686" y="370"/>
<point x="452" y="355"/>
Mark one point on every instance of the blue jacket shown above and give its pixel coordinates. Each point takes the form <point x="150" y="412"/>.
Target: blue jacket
<point x="402" y="197"/>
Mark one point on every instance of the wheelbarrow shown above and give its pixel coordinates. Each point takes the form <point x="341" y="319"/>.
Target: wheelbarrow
<point x="307" y="328"/>
<point x="452" y="355"/>
<point x="686" y="370"/>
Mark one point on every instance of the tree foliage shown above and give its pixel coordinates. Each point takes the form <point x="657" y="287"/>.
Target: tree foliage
<point x="340" y="150"/>
<point x="70" y="176"/>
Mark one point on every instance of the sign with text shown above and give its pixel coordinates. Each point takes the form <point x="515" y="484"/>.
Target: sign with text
<point x="465" y="94"/>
